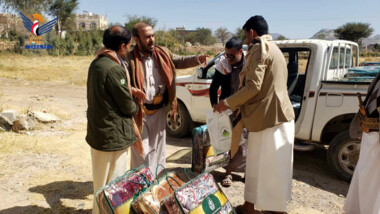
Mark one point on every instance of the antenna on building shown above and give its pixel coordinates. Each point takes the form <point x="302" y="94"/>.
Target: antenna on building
<point x="85" y="11"/>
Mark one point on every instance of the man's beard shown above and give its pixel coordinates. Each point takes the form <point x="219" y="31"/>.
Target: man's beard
<point x="146" y="49"/>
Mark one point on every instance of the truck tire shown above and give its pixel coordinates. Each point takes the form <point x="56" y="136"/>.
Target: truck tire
<point x="343" y="155"/>
<point x="184" y="124"/>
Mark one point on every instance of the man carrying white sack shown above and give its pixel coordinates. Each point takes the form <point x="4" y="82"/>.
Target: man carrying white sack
<point x="227" y="70"/>
<point x="267" y="113"/>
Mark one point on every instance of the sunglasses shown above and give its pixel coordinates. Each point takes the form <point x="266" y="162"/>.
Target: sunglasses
<point x="230" y="56"/>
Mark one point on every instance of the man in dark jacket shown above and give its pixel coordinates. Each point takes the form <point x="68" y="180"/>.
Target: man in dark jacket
<point x="228" y="68"/>
<point x="110" y="109"/>
<point x="227" y="72"/>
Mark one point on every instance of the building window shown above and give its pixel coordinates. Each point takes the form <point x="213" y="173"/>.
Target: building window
<point x="83" y="25"/>
<point x="93" y="25"/>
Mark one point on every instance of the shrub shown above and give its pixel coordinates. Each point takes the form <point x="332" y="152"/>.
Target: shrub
<point x="69" y="45"/>
<point x="167" y="39"/>
<point x="19" y="46"/>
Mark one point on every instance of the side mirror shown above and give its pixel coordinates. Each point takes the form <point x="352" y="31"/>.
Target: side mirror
<point x="200" y="73"/>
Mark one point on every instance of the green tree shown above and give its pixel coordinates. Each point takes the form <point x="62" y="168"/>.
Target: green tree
<point x="132" y="20"/>
<point x="204" y="36"/>
<point x="353" y="31"/>
<point x="377" y="47"/>
<point x="29" y="6"/>
<point x="114" y="23"/>
<point x="168" y="39"/>
<point x="64" y="10"/>
<point x="191" y="37"/>
<point x="70" y="45"/>
<point x="19" y="46"/>
<point x="281" y="37"/>
<point x="222" y="34"/>
<point x="57" y="43"/>
<point x="82" y="48"/>
<point x="12" y="35"/>
<point x="97" y="40"/>
<point x="240" y="33"/>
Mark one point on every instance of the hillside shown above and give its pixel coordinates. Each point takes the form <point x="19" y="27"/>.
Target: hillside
<point x="329" y="35"/>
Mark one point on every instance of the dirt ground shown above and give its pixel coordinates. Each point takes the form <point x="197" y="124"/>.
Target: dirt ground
<point x="48" y="170"/>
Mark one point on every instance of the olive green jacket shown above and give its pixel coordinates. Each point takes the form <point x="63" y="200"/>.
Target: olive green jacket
<point x="110" y="106"/>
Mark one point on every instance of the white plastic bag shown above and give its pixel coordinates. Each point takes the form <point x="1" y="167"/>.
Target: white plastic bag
<point x="220" y="131"/>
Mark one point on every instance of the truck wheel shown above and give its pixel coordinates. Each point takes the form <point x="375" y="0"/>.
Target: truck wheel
<point x="184" y="124"/>
<point x="343" y="155"/>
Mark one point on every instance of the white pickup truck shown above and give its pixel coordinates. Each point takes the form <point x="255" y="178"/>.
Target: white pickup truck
<point x="323" y="100"/>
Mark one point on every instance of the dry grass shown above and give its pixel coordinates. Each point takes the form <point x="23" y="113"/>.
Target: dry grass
<point x="52" y="109"/>
<point x="369" y="59"/>
<point x="57" y="111"/>
<point x="187" y="71"/>
<point x="20" y="109"/>
<point x="11" y="142"/>
<point x="68" y="69"/>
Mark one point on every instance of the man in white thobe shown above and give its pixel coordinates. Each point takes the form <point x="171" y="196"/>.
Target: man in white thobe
<point x="363" y="196"/>
<point x="152" y="66"/>
<point x="267" y="114"/>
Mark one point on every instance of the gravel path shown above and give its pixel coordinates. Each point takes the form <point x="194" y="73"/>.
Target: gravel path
<point x="49" y="170"/>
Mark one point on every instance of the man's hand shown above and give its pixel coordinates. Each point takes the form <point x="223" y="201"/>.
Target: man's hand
<point x="203" y="59"/>
<point x="138" y="93"/>
<point x="220" y="107"/>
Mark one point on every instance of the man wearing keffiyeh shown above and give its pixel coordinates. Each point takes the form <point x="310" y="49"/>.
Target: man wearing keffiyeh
<point x="364" y="193"/>
<point x="152" y="70"/>
<point x="227" y="70"/>
<point x="111" y="128"/>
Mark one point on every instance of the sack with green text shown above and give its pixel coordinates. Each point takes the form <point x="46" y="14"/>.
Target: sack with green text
<point x="202" y="195"/>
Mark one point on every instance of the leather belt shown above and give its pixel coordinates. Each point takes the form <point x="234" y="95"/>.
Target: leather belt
<point x="152" y="107"/>
<point x="369" y="124"/>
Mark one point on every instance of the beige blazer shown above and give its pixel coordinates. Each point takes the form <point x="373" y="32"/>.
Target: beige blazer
<point x="263" y="98"/>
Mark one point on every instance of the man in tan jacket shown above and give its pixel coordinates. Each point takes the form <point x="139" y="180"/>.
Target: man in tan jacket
<point x="266" y="112"/>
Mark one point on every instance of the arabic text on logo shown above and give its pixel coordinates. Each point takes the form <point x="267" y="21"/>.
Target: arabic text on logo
<point x="32" y="24"/>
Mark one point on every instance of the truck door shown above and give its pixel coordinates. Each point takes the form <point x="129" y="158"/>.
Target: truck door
<point x="297" y="59"/>
<point x="200" y="99"/>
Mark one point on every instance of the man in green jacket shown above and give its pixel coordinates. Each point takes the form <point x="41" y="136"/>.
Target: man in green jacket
<point x="110" y="129"/>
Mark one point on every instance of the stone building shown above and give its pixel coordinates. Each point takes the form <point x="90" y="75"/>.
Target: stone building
<point x="10" y="22"/>
<point x="90" y="21"/>
<point x="183" y="32"/>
